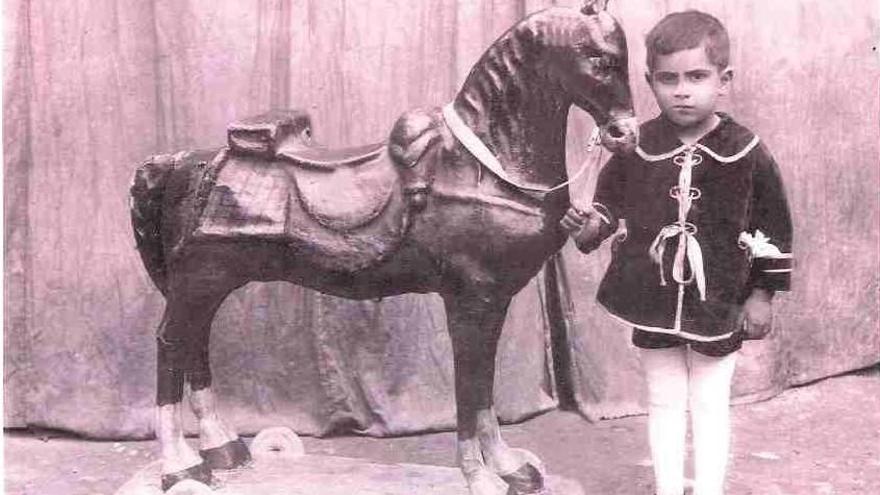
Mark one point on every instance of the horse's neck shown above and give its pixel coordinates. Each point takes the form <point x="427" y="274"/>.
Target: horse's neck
<point x="522" y="121"/>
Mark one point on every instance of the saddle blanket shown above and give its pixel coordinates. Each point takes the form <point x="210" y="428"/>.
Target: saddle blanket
<point x="342" y="218"/>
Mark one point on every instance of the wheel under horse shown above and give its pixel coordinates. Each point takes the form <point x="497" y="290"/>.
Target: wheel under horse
<point x="464" y="201"/>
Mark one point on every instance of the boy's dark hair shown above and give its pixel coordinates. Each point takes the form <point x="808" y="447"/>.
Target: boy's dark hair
<point x="686" y="30"/>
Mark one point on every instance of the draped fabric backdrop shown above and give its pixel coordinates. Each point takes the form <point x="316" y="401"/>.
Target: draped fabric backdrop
<point x="93" y="87"/>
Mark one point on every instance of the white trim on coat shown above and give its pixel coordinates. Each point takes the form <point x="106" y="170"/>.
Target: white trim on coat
<point x="670" y="331"/>
<point x="723" y="159"/>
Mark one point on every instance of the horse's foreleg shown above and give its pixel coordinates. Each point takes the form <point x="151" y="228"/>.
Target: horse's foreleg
<point x="475" y="321"/>
<point x="520" y="469"/>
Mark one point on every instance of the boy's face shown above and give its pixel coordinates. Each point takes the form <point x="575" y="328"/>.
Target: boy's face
<point x="687" y="86"/>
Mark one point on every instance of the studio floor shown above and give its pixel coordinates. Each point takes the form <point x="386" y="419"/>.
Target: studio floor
<point x="823" y="438"/>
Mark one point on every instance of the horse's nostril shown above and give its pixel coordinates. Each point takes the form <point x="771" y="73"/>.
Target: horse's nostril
<point x="615" y="132"/>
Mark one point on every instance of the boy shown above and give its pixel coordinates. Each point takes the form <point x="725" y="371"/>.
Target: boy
<point x="706" y="245"/>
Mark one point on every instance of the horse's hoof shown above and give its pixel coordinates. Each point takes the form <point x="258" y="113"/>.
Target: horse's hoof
<point x="528" y="457"/>
<point x="527" y="480"/>
<point x="199" y="473"/>
<point x="484" y="482"/>
<point x="230" y="455"/>
<point x="189" y="487"/>
<point x="277" y="443"/>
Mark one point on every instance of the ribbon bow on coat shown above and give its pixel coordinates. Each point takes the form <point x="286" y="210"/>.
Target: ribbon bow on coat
<point x="688" y="247"/>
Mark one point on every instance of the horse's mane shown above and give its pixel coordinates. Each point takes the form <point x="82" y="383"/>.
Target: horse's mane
<point x="512" y="64"/>
<point x="518" y="91"/>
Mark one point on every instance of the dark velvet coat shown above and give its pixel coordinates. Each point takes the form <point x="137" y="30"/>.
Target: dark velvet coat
<point x="732" y="230"/>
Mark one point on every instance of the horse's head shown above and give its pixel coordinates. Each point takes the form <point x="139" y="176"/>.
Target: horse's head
<point x="589" y="57"/>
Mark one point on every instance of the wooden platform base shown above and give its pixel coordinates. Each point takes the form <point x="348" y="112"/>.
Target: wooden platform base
<point x="325" y="475"/>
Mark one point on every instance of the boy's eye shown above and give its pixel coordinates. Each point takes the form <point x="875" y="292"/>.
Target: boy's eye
<point x="698" y="76"/>
<point x="665" y="78"/>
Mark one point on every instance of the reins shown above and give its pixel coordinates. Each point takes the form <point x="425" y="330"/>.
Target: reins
<point x="484" y="155"/>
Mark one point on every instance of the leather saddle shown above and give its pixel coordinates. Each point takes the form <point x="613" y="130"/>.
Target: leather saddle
<point x="343" y="209"/>
<point x="342" y="189"/>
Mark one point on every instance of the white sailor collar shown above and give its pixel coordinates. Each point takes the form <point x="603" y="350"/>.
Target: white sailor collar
<point x="728" y="142"/>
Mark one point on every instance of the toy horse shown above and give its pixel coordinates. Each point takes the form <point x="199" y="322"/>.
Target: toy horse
<point x="464" y="201"/>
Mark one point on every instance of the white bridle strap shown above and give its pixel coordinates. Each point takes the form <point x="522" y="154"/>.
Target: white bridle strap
<point x="484" y="155"/>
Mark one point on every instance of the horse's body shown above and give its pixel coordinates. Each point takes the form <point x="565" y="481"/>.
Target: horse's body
<point x="464" y="233"/>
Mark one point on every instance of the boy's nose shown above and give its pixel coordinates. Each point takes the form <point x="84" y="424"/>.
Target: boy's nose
<point x="682" y="90"/>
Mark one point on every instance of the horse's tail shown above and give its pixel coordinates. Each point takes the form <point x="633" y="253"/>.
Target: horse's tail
<point x="147" y="194"/>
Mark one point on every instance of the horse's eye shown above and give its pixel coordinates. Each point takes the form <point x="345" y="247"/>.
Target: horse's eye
<point x="600" y="63"/>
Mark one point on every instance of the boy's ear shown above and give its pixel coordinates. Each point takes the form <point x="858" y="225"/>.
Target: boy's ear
<point x="726" y="77"/>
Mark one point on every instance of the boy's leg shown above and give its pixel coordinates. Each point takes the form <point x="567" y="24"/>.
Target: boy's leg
<point x="667" y="378"/>
<point x="710" y="379"/>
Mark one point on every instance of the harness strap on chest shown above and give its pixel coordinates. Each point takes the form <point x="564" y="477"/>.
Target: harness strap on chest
<point x="484" y="155"/>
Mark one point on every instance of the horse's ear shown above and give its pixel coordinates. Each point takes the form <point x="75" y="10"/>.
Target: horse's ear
<point x="593" y="7"/>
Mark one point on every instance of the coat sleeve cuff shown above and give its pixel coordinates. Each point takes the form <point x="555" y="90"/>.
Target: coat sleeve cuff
<point x="604" y="212"/>
<point x="773" y="273"/>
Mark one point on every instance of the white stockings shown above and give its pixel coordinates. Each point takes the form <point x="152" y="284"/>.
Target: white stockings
<point x="679" y="378"/>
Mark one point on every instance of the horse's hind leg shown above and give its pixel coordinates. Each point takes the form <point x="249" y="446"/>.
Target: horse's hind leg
<point x="475" y="320"/>
<point x="182" y="356"/>
<point x="220" y="445"/>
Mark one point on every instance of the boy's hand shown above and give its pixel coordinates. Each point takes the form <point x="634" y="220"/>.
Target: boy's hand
<point x="758" y="314"/>
<point x="573" y="221"/>
<point x="586" y="228"/>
